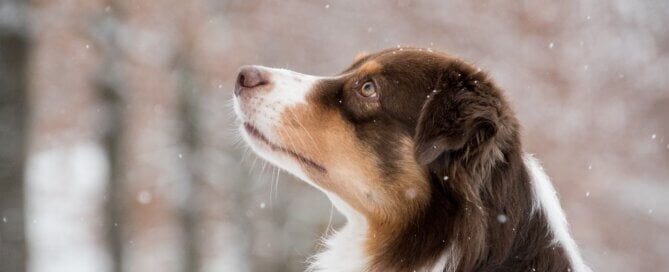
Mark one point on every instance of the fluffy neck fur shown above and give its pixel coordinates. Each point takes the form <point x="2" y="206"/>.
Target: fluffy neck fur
<point x="506" y="228"/>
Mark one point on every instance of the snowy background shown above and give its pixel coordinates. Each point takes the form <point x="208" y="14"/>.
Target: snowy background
<point x="132" y="163"/>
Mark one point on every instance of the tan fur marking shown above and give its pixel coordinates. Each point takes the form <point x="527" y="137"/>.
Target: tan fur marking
<point x="409" y="193"/>
<point x="360" y="56"/>
<point x="352" y="170"/>
<point x="325" y="137"/>
<point x="371" y="67"/>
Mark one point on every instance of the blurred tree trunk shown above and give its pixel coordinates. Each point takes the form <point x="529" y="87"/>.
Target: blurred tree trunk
<point x="190" y="131"/>
<point x="14" y="45"/>
<point x="110" y="91"/>
<point x="112" y="139"/>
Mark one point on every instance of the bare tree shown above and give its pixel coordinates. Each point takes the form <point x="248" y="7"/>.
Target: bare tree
<point x="109" y="86"/>
<point x="190" y="129"/>
<point x="14" y="48"/>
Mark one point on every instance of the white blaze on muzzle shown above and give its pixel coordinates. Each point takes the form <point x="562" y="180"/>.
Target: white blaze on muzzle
<point x="263" y="98"/>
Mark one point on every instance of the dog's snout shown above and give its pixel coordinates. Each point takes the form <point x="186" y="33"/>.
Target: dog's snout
<point x="249" y="77"/>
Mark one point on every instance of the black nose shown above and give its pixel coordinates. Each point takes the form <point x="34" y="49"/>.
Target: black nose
<point x="249" y="77"/>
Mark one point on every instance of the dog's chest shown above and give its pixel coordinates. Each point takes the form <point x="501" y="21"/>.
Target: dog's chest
<point x="345" y="250"/>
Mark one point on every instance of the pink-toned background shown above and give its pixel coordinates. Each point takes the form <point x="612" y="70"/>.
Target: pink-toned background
<point x="588" y="79"/>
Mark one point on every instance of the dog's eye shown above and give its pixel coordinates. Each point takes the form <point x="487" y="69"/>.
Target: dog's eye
<point x="368" y="89"/>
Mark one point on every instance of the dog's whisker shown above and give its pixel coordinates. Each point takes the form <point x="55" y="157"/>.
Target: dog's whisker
<point x="276" y="186"/>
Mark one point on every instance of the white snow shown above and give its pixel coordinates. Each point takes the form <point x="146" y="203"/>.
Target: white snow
<point x="144" y="197"/>
<point x="410" y="193"/>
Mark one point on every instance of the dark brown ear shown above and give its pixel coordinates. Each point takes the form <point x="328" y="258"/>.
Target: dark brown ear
<point x="460" y="115"/>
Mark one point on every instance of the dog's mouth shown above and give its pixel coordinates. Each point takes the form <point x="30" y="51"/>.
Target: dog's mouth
<point x="256" y="134"/>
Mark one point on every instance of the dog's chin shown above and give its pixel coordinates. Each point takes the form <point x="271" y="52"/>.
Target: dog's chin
<point x="279" y="156"/>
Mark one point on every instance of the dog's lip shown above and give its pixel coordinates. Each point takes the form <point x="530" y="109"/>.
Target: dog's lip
<point x="255" y="133"/>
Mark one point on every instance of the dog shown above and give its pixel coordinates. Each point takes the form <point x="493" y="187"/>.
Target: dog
<point x="421" y="152"/>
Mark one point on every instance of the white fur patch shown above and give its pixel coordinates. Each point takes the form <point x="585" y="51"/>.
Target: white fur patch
<point x="345" y="248"/>
<point x="440" y="264"/>
<point x="546" y="199"/>
<point x="263" y="108"/>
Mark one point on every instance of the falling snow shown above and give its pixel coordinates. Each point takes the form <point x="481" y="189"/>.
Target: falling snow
<point x="410" y="193"/>
<point x="144" y="197"/>
<point x="617" y="27"/>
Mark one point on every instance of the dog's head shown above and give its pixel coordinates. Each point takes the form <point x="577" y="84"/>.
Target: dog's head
<point x="378" y="135"/>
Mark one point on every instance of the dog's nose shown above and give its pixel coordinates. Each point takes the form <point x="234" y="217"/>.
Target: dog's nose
<point x="249" y="77"/>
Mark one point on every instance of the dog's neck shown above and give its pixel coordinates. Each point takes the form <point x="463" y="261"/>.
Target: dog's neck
<point x="345" y="248"/>
<point x="349" y="248"/>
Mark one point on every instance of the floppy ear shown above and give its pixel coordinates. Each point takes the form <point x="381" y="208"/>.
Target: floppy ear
<point x="458" y="117"/>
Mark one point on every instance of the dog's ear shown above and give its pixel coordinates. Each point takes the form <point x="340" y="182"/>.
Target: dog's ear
<point x="458" y="116"/>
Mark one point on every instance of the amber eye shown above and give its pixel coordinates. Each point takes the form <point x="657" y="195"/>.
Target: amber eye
<point x="368" y="89"/>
